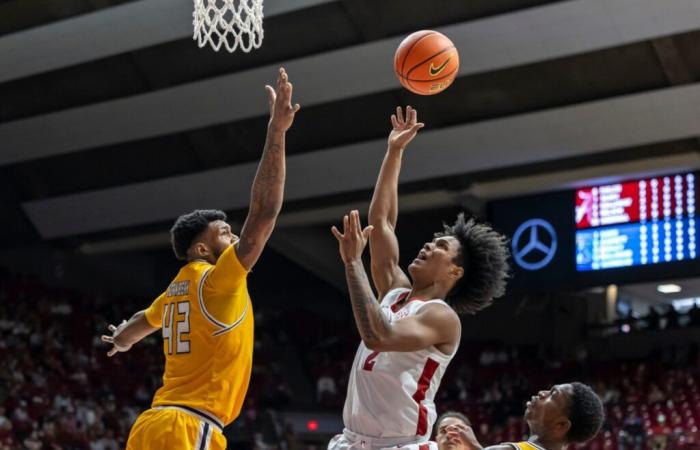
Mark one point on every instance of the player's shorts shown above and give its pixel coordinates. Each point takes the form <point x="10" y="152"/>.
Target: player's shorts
<point x="176" y="428"/>
<point x="353" y="441"/>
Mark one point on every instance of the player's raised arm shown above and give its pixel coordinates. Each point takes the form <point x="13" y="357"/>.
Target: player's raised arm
<point x="268" y="187"/>
<point x="128" y="333"/>
<point x="383" y="211"/>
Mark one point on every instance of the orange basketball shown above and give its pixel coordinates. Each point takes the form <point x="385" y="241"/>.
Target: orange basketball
<point x="426" y="62"/>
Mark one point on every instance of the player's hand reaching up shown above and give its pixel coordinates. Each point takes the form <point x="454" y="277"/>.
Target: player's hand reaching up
<point x="280" y="100"/>
<point x="404" y="129"/>
<point x="110" y="339"/>
<point x="353" y="239"/>
<point x="464" y="435"/>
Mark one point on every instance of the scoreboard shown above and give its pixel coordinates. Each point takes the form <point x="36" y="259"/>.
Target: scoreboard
<point x="624" y="232"/>
<point x="638" y="222"/>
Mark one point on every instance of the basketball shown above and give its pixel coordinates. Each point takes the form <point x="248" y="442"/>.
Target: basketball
<point x="426" y="62"/>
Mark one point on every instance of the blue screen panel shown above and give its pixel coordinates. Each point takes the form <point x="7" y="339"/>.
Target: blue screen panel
<point x="636" y="244"/>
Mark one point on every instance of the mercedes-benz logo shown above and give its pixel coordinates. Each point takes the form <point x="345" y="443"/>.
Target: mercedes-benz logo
<point x="534" y="244"/>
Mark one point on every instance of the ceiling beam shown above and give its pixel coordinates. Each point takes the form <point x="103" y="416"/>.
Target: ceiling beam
<point x="585" y="176"/>
<point x="623" y="122"/>
<point x="107" y="32"/>
<point x="523" y="37"/>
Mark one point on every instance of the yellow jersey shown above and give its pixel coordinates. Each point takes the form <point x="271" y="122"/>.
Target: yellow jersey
<point x="525" y="445"/>
<point x="206" y="318"/>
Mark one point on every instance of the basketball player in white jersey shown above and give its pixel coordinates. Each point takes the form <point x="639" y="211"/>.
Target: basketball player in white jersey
<point x="411" y="331"/>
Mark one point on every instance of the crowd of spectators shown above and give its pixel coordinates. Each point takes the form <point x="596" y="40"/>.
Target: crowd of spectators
<point x="58" y="389"/>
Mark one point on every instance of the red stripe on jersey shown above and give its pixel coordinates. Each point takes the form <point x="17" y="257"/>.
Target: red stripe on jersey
<point x="423" y="384"/>
<point x="424" y="447"/>
<point x="395" y="307"/>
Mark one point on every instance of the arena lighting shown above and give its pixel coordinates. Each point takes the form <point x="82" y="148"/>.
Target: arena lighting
<point x="685" y="303"/>
<point x="668" y="288"/>
<point x="312" y="425"/>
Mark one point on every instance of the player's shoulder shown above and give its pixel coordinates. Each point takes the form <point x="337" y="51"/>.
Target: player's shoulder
<point x="440" y="316"/>
<point x="438" y="310"/>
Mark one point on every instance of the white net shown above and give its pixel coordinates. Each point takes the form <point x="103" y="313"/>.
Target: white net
<point x="228" y="23"/>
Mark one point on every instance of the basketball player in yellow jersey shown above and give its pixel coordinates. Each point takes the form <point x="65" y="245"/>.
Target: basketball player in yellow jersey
<point x="205" y="314"/>
<point x="565" y="414"/>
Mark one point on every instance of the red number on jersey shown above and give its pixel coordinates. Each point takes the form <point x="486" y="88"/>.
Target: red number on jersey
<point x="369" y="362"/>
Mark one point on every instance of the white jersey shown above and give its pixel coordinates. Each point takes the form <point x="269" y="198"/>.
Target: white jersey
<point x="390" y="394"/>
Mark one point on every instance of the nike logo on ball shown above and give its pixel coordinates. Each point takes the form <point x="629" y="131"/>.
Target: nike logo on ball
<point x="435" y="71"/>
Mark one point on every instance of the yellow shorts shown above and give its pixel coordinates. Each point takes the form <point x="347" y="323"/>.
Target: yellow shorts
<point x="175" y="428"/>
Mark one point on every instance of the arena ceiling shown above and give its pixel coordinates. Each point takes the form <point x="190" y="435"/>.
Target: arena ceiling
<point x="113" y="121"/>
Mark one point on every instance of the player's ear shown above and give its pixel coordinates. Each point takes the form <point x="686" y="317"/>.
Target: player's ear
<point x="200" y="249"/>
<point x="457" y="272"/>
<point x="563" y="425"/>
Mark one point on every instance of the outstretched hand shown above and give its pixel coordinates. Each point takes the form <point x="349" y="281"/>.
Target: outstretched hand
<point x="353" y="239"/>
<point x="280" y="100"/>
<point x="464" y="435"/>
<point x="110" y="339"/>
<point x="404" y="130"/>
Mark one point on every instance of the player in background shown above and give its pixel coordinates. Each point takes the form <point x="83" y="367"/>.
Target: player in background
<point x="565" y="414"/>
<point x="205" y="313"/>
<point x="410" y="332"/>
<point x="443" y="441"/>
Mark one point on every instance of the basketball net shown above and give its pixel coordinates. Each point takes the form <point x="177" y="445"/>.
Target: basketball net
<point x="228" y="23"/>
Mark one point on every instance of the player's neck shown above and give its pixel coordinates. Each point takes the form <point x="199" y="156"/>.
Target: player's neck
<point x="546" y="443"/>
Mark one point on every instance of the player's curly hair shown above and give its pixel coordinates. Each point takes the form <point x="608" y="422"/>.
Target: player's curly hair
<point x="586" y="413"/>
<point x="188" y="226"/>
<point x="484" y="257"/>
<point x="455" y="414"/>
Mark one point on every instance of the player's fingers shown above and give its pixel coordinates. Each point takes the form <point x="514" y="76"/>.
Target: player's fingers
<point x="394" y="122"/>
<point x="417" y="127"/>
<point x="410" y="115"/>
<point x="111" y="327"/>
<point x="346" y="224"/>
<point x="270" y="94"/>
<point x="297" y="107"/>
<point x="279" y="79"/>
<point x="338" y="235"/>
<point x="350" y="230"/>
<point x="288" y="94"/>
<point x="112" y="352"/>
<point x="367" y="231"/>
<point x="399" y="114"/>
<point x="107" y="338"/>
<point x="357" y="226"/>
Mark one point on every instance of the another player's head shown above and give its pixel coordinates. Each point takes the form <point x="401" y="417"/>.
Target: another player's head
<point x="201" y="234"/>
<point x="566" y="413"/>
<point x="470" y="259"/>
<point x="444" y="442"/>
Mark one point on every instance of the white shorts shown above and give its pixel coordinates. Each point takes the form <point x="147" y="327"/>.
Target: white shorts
<point x="353" y="441"/>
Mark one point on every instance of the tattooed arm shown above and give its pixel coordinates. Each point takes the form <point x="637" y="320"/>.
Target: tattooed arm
<point x="433" y="325"/>
<point x="268" y="187"/>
